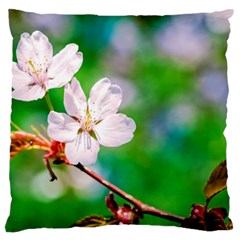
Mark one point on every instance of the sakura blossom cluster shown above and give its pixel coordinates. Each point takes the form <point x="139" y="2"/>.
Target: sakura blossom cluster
<point x="87" y="124"/>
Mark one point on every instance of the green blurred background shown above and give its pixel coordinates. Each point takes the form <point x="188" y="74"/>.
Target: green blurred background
<point x="172" y="70"/>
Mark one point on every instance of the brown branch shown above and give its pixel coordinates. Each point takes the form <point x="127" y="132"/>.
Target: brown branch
<point x="49" y="168"/>
<point x="144" y="208"/>
<point x="24" y="141"/>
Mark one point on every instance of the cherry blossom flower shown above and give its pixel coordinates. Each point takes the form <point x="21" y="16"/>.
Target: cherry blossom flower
<point x="37" y="70"/>
<point x="90" y="123"/>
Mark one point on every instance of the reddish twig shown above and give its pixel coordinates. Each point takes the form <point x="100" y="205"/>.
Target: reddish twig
<point x="144" y="208"/>
<point x="24" y="141"/>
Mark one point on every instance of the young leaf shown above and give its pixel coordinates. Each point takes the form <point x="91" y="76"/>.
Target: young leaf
<point x="217" y="181"/>
<point x="95" y="221"/>
<point x="21" y="141"/>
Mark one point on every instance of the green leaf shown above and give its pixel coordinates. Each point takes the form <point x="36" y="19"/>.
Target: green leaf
<point x="217" y="182"/>
<point x="95" y="221"/>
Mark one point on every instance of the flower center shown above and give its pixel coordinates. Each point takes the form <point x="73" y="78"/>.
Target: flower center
<point x="88" y="124"/>
<point x="33" y="68"/>
<point x="39" y="77"/>
<point x="86" y="130"/>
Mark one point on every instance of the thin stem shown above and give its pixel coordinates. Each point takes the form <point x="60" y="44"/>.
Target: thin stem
<point x="207" y="202"/>
<point x="140" y="205"/>
<point x="16" y="126"/>
<point x="48" y="101"/>
<point x="40" y="135"/>
<point x="52" y="174"/>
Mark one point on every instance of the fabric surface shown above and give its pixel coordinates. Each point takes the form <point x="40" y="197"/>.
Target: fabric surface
<point x="139" y="100"/>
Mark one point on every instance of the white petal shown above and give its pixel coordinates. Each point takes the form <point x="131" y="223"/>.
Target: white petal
<point x="115" y="130"/>
<point x="64" y="65"/>
<point x="19" y="78"/>
<point x="105" y="99"/>
<point x="26" y="93"/>
<point x="75" y="99"/>
<point x="84" y="149"/>
<point x="35" y="48"/>
<point x="61" y="127"/>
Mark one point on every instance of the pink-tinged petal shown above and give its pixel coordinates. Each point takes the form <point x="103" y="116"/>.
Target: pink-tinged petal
<point x="75" y="99"/>
<point x="19" y="78"/>
<point x="64" y="65"/>
<point x="84" y="149"/>
<point x="34" y="53"/>
<point x="28" y="93"/>
<point x="115" y="130"/>
<point x="61" y="127"/>
<point x="105" y="99"/>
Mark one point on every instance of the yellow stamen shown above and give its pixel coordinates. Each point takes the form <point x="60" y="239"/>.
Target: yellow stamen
<point x="88" y="120"/>
<point x="32" y="65"/>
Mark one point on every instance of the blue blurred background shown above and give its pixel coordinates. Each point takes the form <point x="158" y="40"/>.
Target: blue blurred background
<point x="172" y="70"/>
